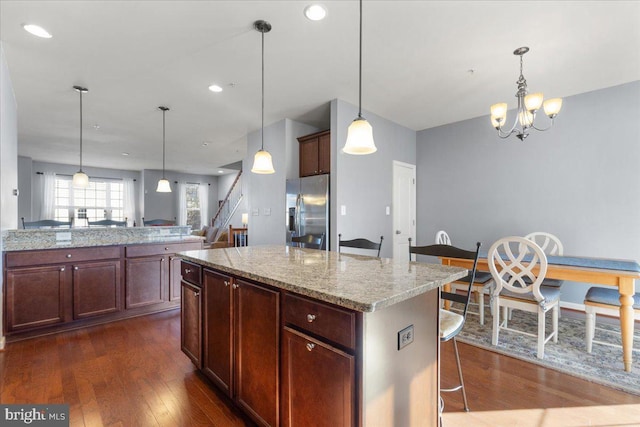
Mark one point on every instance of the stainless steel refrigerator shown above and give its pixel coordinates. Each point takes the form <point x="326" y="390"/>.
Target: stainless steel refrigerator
<point x="308" y="207"/>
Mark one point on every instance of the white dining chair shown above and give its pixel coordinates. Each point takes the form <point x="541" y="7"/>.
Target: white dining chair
<point x="518" y="267"/>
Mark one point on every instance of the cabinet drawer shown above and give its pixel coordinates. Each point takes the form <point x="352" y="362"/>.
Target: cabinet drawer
<point x="335" y="324"/>
<point x="160" y="249"/>
<point x="61" y="256"/>
<point x="191" y="273"/>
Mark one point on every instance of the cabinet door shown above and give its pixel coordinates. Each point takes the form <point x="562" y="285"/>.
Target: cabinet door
<point x="318" y="383"/>
<point x="324" y="153"/>
<point x="96" y="288"/>
<point x="308" y="157"/>
<point x="218" y="332"/>
<point x="257" y="344"/>
<point x="35" y="296"/>
<point x="175" y="278"/>
<point x="191" y="323"/>
<point x="145" y="281"/>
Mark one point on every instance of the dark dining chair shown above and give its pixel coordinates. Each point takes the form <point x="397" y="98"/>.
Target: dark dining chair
<point x="310" y="241"/>
<point x="158" y="222"/>
<point x="45" y="223"/>
<point x="107" y="223"/>
<point x="451" y="323"/>
<point x="360" y="243"/>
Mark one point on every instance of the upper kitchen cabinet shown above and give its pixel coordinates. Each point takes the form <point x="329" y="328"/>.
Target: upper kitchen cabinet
<point x="315" y="153"/>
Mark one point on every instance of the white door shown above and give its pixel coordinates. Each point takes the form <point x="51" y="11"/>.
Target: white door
<point x="404" y="208"/>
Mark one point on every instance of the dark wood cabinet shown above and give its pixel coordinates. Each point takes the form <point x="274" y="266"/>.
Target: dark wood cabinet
<point x="218" y="330"/>
<point x="318" y="353"/>
<point x="146" y="280"/>
<point x="153" y="273"/>
<point x="36" y="296"/>
<point x="318" y="382"/>
<point x="191" y="325"/>
<point x="256" y="352"/>
<point x="315" y="153"/>
<point x="96" y="288"/>
<point x="241" y="322"/>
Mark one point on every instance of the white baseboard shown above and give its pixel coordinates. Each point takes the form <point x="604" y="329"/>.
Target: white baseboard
<point x="572" y="306"/>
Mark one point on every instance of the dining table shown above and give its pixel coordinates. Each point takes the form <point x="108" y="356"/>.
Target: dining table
<point x="618" y="273"/>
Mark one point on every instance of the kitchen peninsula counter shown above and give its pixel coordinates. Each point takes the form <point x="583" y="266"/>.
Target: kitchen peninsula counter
<point x="293" y="334"/>
<point x="59" y="279"/>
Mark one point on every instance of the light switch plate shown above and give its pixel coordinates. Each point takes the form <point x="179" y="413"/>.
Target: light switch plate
<point x="343" y="210"/>
<point x="266" y="211"/>
<point x="405" y="337"/>
<point x="255" y="212"/>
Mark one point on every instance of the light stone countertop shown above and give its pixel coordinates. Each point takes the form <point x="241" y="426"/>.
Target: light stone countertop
<point x="52" y="238"/>
<point x="356" y="282"/>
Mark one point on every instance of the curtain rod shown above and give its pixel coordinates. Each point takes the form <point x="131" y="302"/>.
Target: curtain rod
<point x="193" y="183"/>
<point x="98" y="177"/>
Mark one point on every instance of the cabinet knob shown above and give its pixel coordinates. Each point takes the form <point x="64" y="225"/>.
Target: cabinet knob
<point x="310" y="346"/>
<point x="161" y="259"/>
<point x="68" y="255"/>
<point x="166" y="249"/>
<point x="197" y="294"/>
<point x="187" y="271"/>
<point x="62" y="269"/>
<point x="311" y="318"/>
<point x="226" y="283"/>
<point x="236" y="286"/>
<point x="75" y="268"/>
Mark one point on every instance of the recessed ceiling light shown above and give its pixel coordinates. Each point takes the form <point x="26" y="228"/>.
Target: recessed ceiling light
<point x="96" y="126"/>
<point x="124" y="153"/>
<point x="205" y="143"/>
<point x="315" y="12"/>
<point x="37" y="31"/>
<point x="215" y="88"/>
<point x="220" y="171"/>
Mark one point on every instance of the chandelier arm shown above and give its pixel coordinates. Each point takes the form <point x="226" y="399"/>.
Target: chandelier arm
<point x="544" y="129"/>
<point x="510" y="131"/>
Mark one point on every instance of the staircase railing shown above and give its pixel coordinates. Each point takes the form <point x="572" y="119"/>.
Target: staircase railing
<point x="228" y="206"/>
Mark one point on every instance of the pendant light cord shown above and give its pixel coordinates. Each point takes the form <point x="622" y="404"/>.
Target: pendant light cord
<point x="262" y="131"/>
<point x="360" y="68"/>
<point x="80" y="130"/>
<point x="163" y="150"/>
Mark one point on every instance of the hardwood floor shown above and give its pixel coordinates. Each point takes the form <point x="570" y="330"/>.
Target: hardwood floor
<point x="132" y="373"/>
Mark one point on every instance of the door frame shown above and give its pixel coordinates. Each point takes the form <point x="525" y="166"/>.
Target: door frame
<point x="412" y="207"/>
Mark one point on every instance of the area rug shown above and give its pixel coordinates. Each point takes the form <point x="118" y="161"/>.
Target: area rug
<point x="603" y="366"/>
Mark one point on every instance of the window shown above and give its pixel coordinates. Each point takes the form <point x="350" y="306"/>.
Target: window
<point x="100" y="200"/>
<point x="194" y="214"/>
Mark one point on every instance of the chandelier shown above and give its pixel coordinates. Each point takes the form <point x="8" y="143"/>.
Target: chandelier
<point x="528" y="105"/>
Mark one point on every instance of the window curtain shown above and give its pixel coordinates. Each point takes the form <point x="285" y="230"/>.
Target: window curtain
<point x="203" y="195"/>
<point x="182" y="203"/>
<point x="129" y="201"/>
<point x="48" y="210"/>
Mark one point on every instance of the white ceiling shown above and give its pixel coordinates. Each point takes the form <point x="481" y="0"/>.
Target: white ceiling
<point x="137" y="55"/>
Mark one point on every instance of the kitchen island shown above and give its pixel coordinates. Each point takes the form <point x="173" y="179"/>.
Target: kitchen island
<point x="300" y="337"/>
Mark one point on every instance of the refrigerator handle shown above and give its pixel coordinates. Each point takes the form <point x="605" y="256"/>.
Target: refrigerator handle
<point x="297" y="216"/>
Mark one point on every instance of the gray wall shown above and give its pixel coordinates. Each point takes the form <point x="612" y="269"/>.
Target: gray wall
<point x="269" y="191"/>
<point x="8" y="163"/>
<point x="165" y="205"/>
<point x="579" y="180"/>
<point x="364" y="183"/>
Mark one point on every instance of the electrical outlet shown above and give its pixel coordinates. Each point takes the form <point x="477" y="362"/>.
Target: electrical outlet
<point x="405" y="337"/>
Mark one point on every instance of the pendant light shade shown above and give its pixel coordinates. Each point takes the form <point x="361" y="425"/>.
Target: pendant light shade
<point x="163" y="184"/>
<point x="262" y="161"/>
<point x="359" y="138"/>
<point x="80" y="179"/>
<point x="360" y="133"/>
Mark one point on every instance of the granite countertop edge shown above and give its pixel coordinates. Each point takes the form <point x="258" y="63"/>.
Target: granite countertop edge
<point x="324" y="296"/>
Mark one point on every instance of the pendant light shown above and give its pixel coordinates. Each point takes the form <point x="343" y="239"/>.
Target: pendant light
<point x="163" y="185"/>
<point x="262" y="162"/>
<point x="80" y="179"/>
<point x="360" y="133"/>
